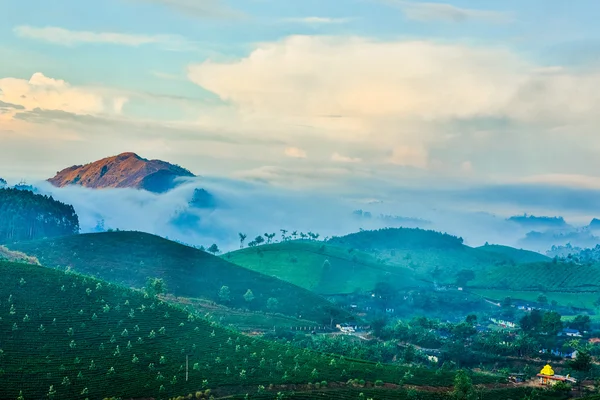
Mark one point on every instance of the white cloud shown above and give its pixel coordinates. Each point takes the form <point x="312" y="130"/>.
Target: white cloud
<point x="344" y="159"/>
<point x="200" y="8"/>
<point x="407" y="156"/>
<point x="65" y="37"/>
<point x="47" y="93"/>
<point x="399" y="95"/>
<point x="318" y="20"/>
<point x="446" y="12"/>
<point x="295" y="152"/>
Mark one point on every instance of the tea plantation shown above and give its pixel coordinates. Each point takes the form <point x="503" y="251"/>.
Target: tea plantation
<point x="66" y="336"/>
<point x="129" y="258"/>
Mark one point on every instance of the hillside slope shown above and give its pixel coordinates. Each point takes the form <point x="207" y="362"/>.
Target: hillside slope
<point x="66" y="336"/>
<point x="542" y="276"/>
<point x="322" y="268"/>
<point x="432" y="255"/>
<point x="129" y="258"/>
<point x="519" y="256"/>
<point x="126" y="170"/>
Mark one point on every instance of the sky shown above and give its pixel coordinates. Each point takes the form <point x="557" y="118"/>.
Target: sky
<point x="344" y="94"/>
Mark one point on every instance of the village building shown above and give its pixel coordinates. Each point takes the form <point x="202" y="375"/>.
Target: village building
<point x="570" y="332"/>
<point x="547" y="377"/>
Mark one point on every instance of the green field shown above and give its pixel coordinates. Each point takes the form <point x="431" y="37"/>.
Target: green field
<point x="67" y="336"/>
<point x="129" y="258"/>
<point x="322" y="268"/>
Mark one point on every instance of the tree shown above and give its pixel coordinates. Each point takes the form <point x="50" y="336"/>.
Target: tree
<point x="471" y="319"/>
<point x="551" y="322"/>
<point x="259" y="239"/>
<point x="581" y="323"/>
<point x="249" y="296"/>
<point x="242" y="238"/>
<point x="155" y="286"/>
<point x="582" y="364"/>
<point x="225" y="294"/>
<point x="463" y="387"/>
<point x="213" y="249"/>
<point x="3" y="183"/>
<point x="542" y="299"/>
<point x="283" y="237"/>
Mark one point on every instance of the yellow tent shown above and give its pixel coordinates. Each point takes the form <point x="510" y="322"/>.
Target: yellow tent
<point x="547" y="370"/>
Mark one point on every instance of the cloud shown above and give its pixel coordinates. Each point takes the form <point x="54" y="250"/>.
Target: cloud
<point x="344" y="159"/>
<point x="4" y="105"/>
<point x="203" y="9"/>
<point x="42" y="92"/>
<point x="443" y="12"/>
<point x="409" y="97"/>
<point x="295" y="152"/>
<point x="65" y="37"/>
<point x="255" y="208"/>
<point x="318" y="20"/>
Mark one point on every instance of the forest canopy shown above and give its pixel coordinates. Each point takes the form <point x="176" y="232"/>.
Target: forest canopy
<point x="25" y="215"/>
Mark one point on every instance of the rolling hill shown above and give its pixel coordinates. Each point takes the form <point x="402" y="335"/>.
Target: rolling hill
<point x="519" y="256"/>
<point x="67" y="336"/>
<point x="129" y="258"/>
<point x="433" y="256"/>
<point x="126" y="170"/>
<point x="322" y="268"/>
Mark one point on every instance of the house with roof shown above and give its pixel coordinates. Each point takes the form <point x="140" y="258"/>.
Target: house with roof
<point x="547" y="377"/>
<point x="570" y="332"/>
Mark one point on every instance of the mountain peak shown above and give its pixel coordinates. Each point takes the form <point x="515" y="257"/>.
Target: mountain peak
<point x="125" y="170"/>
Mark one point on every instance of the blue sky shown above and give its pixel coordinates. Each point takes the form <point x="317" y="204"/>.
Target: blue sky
<point x="306" y="92"/>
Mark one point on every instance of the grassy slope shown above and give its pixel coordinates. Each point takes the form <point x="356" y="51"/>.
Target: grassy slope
<point x="117" y="343"/>
<point x="544" y="276"/>
<point x="302" y="263"/>
<point x="129" y="258"/>
<point x="520" y="256"/>
<point x="423" y="251"/>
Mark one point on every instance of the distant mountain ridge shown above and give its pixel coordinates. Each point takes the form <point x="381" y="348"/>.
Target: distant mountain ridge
<point x="126" y="170"/>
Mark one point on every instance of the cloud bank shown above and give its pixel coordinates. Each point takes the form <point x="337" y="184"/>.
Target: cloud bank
<point x="476" y="214"/>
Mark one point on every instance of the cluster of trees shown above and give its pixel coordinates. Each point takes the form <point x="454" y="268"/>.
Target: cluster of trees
<point x="25" y="215"/>
<point x="269" y="238"/>
<point x="578" y="255"/>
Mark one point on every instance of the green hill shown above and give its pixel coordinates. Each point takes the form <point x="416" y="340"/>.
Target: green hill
<point x="67" y="336"/>
<point x="541" y="276"/>
<point x="320" y="267"/>
<point x="129" y="258"/>
<point x="519" y="256"/>
<point x="431" y="255"/>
